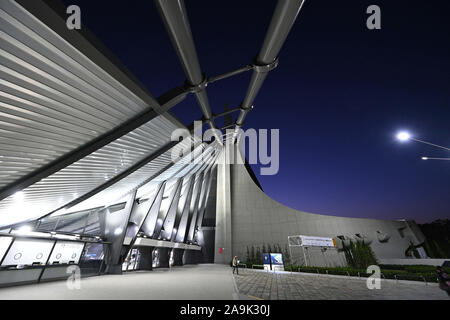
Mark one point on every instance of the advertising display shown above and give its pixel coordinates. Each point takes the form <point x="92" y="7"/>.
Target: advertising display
<point x="28" y="252"/>
<point x="66" y="252"/>
<point x="266" y="261"/>
<point x="276" y="259"/>
<point x="309" y="241"/>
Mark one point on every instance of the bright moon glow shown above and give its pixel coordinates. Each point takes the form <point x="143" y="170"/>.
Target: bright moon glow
<point x="424" y="158"/>
<point x="403" y="136"/>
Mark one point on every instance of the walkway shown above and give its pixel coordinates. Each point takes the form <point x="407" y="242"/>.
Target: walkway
<point x="216" y="282"/>
<point x="304" y="286"/>
<point x="196" y="282"/>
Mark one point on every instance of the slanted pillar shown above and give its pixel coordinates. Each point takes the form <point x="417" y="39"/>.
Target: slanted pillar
<point x="146" y="259"/>
<point x="163" y="254"/>
<point x="178" y="257"/>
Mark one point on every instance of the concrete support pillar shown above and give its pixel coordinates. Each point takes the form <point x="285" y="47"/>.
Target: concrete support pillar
<point x="178" y="257"/>
<point x="223" y="247"/>
<point x="146" y="260"/>
<point x="163" y="257"/>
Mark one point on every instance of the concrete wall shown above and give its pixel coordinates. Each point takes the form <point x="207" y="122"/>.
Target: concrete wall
<point x="256" y="219"/>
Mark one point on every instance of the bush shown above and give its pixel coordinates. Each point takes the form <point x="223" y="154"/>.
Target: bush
<point x="417" y="273"/>
<point x="359" y="254"/>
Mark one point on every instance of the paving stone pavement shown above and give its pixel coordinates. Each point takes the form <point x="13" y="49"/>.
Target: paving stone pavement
<point x="300" y="286"/>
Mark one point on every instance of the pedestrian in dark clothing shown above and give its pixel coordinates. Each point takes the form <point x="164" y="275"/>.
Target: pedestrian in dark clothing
<point x="235" y="264"/>
<point x="444" y="280"/>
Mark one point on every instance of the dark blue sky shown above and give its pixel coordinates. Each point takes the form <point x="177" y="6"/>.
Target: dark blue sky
<point x="339" y="95"/>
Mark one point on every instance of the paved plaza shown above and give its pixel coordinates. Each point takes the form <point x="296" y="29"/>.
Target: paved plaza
<point x="191" y="282"/>
<point x="303" y="286"/>
<point x="216" y="282"/>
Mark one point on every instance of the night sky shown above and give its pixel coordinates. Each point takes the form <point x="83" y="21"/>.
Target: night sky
<point x="339" y="95"/>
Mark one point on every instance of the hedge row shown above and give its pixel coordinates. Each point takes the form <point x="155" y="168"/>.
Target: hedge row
<point x="418" y="273"/>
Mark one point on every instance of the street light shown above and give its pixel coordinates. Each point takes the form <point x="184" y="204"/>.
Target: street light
<point x="405" y="136"/>
<point x="429" y="158"/>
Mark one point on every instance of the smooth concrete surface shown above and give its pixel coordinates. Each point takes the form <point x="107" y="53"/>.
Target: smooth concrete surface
<point x="258" y="220"/>
<point x="223" y="237"/>
<point x="191" y="282"/>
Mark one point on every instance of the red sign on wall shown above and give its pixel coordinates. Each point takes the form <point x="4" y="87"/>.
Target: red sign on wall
<point x="220" y="250"/>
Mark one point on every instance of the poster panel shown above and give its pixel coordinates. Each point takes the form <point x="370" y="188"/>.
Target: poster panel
<point x="4" y="245"/>
<point x="310" y="241"/>
<point x="276" y="259"/>
<point x="25" y="252"/>
<point x="66" y="252"/>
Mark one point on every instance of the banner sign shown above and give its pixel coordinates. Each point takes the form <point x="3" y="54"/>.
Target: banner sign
<point x="266" y="261"/>
<point x="317" y="241"/>
<point x="266" y="258"/>
<point x="276" y="259"/>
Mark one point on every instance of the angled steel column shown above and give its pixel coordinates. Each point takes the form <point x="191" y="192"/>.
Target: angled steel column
<point x="204" y="197"/>
<point x="172" y="217"/>
<point x="177" y="223"/>
<point x="176" y="21"/>
<point x="188" y="209"/>
<point x="174" y="198"/>
<point x="115" y="228"/>
<point x="148" y="226"/>
<point x="194" y="208"/>
<point x="155" y="218"/>
<point x="141" y="211"/>
<point x="202" y="191"/>
<point x="188" y="232"/>
<point x="282" y="21"/>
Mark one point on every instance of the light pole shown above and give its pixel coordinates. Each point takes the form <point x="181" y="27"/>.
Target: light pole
<point x="430" y="158"/>
<point x="404" y="136"/>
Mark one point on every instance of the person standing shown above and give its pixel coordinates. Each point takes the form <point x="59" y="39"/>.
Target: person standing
<point x="235" y="265"/>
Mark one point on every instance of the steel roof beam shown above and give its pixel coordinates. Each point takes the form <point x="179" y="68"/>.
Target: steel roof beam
<point x="176" y="22"/>
<point x="283" y="19"/>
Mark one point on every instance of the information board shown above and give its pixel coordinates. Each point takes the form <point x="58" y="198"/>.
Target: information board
<point x="309" y="241"/>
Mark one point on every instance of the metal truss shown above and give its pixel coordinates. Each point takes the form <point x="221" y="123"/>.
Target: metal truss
<point x="189" y="185"/>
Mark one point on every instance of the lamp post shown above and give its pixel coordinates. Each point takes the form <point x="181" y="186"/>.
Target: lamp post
<point x="404" y="136"/>
<point x="431" y="158"/>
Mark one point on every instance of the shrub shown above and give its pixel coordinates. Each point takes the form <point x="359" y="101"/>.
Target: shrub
<point x="359" y="254"/>
<point x="391" y="272"/>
